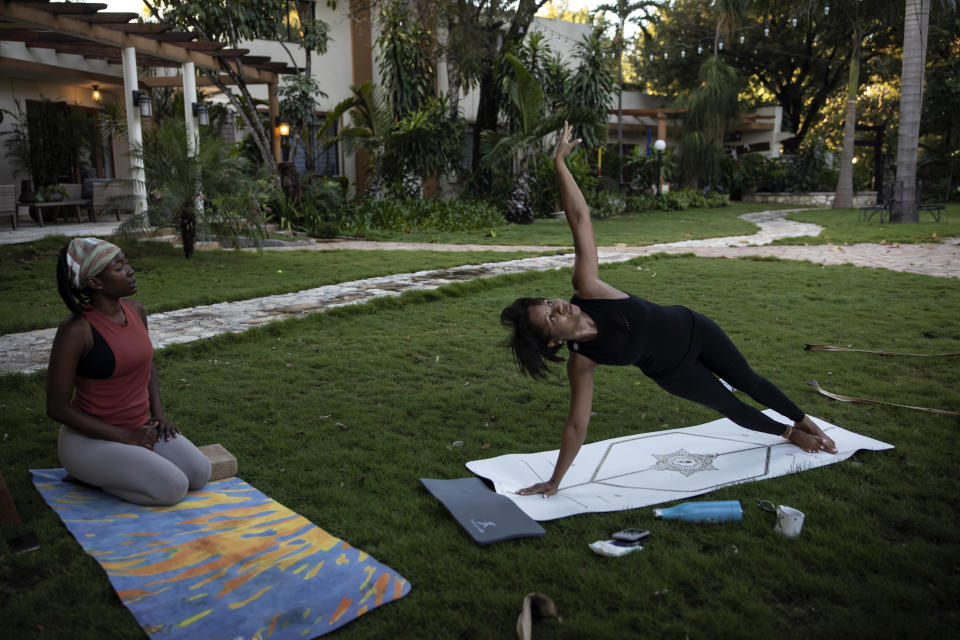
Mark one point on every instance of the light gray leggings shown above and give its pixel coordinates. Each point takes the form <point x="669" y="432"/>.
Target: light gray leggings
<point x="134" y="473"/>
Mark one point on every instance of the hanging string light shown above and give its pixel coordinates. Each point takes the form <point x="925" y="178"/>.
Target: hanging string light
<point x="768" y="23"/>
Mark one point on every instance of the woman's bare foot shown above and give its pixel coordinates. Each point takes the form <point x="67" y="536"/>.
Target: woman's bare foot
<point x="809" y="426"/>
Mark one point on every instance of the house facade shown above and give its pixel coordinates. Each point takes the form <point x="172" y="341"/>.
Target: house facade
<point x="41" y="66"/>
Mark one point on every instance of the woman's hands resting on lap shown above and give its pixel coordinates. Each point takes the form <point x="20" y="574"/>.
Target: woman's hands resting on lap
<point x="165" y="428"/>
<point x="148" y="434"/>
<point x="145" y="435"/>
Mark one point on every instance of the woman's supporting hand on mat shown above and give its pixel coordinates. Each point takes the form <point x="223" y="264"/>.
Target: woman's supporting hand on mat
<point x="545" y="488"/>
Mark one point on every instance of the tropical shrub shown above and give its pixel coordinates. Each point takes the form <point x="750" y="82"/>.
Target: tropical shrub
<point x="605" y="203"/>
<point x="741" y="175"/>
<point x="206" y="193"/>
<point x="416" y="214"/>
<point x="546" y="189"/>
<point x="640" y="168"/>
<point x="677" y="201"/>
<point x="322" y="197"/>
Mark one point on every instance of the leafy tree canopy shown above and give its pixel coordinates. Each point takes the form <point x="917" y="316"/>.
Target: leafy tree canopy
<point x="234" y="21"/>
<point x="792" y="53"/>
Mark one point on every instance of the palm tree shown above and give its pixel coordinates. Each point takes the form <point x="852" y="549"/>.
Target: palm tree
<point x="526" y="97"/>
<point x="710" y="108"/>
<point x="843" y="194"/>
<point x="915" y="30"/>
<point x="197" y="193"/>
<point x="624" y="9"/>
<point x="370" y="125"/>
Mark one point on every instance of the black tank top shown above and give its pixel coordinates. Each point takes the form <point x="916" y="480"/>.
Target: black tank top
<point x="634" y="331"/>
<point x="99" y="362"/>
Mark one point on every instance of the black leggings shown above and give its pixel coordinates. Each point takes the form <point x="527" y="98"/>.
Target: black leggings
<point x="714" y="354"/>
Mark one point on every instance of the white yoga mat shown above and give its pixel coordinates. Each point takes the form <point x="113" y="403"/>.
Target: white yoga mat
<point x="651" y="468"/>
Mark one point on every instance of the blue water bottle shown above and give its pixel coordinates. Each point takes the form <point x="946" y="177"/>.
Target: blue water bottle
<point x="714" y="511"/>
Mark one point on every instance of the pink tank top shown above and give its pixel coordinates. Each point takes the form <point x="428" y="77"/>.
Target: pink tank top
<point x="122" y="399"/>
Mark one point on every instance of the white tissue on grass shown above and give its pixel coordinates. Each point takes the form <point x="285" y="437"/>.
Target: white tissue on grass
<point x="610" y="549"/>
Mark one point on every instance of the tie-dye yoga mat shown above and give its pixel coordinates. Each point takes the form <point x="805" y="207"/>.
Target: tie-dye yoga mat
<point x="226" y="562"/>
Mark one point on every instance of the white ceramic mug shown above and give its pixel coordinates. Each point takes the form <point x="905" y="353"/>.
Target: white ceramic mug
<point x="789" y="521"/>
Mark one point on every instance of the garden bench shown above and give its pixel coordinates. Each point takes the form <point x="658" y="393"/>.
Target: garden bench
<point x="57" y="206"/>
<point x="886" y="201"/>
<point x="72" y="200"/>
<point x="935" y="209"/>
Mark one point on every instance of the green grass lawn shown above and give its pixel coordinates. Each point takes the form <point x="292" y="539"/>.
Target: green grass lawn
<point x="844" y="226"/>
<point x="652" y="227"/>
<point x="167" y="281"/>
<point x="408" y="376"/>
<point x="643" y="228"/>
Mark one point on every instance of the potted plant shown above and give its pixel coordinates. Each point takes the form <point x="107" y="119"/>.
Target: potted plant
<point x="50" y="141"/>
<point x="17" y="143"/>
<point x="52" y="193"/>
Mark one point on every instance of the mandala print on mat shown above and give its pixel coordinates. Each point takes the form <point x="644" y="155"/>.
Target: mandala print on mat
<point x="686" y="463"/>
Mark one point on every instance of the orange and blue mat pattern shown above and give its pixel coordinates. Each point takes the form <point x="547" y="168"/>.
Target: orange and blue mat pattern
<point x="226" y="562"/>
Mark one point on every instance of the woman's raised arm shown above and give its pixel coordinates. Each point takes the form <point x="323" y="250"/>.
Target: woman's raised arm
<point x="585" y="266"/>
<point x="586" y="271"/>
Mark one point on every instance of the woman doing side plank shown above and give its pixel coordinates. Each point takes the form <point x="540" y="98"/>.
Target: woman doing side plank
<point x="681" y="350"/>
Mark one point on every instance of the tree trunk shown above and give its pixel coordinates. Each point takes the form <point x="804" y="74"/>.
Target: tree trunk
<point x="247" y="112"/>
<point x="488" y="106"/>
<point x="843" y="195"/>
<point x="915" y="31"/>
<point x="453" y="74"/>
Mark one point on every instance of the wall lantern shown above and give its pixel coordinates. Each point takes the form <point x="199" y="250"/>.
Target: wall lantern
<point x="283" y="127"/>
<point x="143" y="101"/>
<point x="202" y="113"/>
<point x="96" y="93"/>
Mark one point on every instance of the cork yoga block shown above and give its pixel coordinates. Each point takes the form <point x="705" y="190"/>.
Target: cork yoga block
<point x="222" y="461"/>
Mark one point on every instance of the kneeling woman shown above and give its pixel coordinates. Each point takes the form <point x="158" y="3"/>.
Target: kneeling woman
<point x="102" y="386"/>
<point x="683" y="351"/>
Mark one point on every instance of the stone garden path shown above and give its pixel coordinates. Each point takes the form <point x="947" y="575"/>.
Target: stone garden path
<point x="28" y="351"/>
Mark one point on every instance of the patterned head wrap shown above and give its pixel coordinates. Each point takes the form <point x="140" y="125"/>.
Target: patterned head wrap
<point x="87" y="257"/>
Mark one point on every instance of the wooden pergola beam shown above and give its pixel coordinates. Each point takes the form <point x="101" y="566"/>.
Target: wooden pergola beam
<point x="78" y="8"/>
<point x="37" y="18"/>
<point x="155" y="28"/>
<point x="175" y="36"/>
<point x="39" y="67"/>
<point x="177" y="81"/>
<point x="649" y="113"/>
